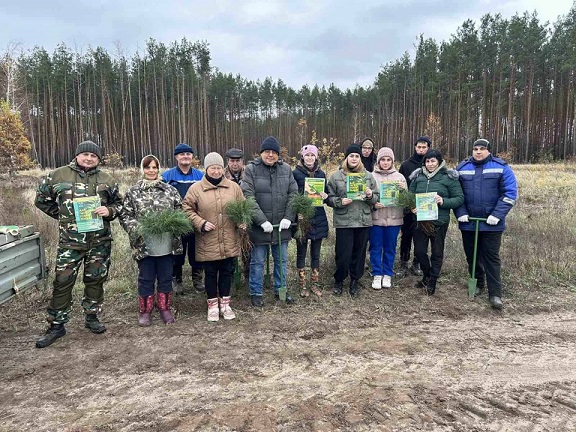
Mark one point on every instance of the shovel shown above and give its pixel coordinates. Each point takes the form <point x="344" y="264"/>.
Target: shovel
<point x="472" y="280"/>
<point x="267" y="276"/>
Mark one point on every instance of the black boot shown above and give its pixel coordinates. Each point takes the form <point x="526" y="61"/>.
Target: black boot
<point x="55" y="331"/>
<point x="354" y="288"/>
<point x="91" y="322"/>
<point x="422" y="283"/>
<point x="338" y="288"/>
<point x="431" y="286"/>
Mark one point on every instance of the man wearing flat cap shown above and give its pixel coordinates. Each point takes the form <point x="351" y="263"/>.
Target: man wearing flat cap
<point x="235" y="168"/>
<point x="182" y="177"/>
<point x="61" y="195"/>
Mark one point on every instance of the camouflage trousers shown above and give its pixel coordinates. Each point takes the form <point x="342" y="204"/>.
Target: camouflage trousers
<point x="96" y="263"/>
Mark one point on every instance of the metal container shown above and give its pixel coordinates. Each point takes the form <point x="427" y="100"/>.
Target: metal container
<point x="22" y="260"/>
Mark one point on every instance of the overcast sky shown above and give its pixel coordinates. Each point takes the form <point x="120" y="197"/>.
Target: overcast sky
<point x="299" y="41"/>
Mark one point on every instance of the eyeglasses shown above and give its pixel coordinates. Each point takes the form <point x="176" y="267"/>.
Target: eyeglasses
<point x="367" y="147"/>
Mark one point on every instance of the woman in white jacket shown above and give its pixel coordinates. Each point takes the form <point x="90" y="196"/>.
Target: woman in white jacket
<point x="387" y="221"/>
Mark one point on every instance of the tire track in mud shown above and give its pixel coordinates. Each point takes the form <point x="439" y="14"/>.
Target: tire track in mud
<point x="321" y="373"/>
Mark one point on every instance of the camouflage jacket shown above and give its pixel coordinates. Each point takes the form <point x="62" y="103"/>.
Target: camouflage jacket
<point x="143" y="198"/>
<point x="55" y="197"/>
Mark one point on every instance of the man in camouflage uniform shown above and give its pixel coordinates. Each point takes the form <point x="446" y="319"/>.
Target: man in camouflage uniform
<point x="55" y="197"/>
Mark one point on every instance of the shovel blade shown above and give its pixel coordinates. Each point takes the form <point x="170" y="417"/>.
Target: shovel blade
<point x="471" y="288"/>
<point x="282" y="293"/>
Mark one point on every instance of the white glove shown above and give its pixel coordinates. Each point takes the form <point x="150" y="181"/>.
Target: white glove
<point x="285" y="224"/>
<point x="267" y="227"/>
<point x="463" y="218"/>
<point x="492" y="220"/>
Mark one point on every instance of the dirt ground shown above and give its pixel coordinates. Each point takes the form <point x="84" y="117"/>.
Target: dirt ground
<point x="390" y="360"/>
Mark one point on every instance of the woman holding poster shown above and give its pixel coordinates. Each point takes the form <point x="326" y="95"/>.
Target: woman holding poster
<point x="387" y="218"/>
<point x="312" y="182"/>
<point x="437" y="191"/>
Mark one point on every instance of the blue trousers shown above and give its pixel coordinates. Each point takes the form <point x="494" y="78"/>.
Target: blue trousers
<point x="155" y="268"/>
<point x="383" y="240"/>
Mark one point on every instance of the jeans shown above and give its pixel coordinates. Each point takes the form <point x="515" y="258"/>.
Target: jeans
<point x="218" y="277"/>
<point x="302" y="248"/>
<point x="383" y="240"/>
<point x="488" y="264"/>
<point x="257" y="262"/>
<point x="155" y="268"/>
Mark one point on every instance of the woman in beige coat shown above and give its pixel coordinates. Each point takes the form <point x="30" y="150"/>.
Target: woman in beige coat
<point x="217" y="239"/>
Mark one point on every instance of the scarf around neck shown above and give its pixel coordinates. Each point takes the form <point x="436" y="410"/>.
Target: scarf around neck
<point x="429" y="174"/>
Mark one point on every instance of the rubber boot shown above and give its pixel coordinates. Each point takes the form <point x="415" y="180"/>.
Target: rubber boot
<point x="146" y="305"/>
<point x="198" y="279"/>
<point x="91" y="322"/>
<point x="164" y="303"/>
<point x="302" y="283"/>
<point x="213" y="310"/>
<point x="55" y="331"/>
<point x="225" y="310"/>
<point x="315" y="282"/>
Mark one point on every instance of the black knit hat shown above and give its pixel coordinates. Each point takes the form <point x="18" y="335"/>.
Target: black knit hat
<point x="482" y="143"/>
<point x="432" y="154"/>
<point x="424" y="139"/>
<point x="270" y="143"/>
<point x="90" y="147"/>
<point x="353" y="148"/>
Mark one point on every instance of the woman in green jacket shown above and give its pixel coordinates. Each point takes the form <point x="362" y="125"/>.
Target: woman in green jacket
<point x="434" y="177"/>
<point x="352" y="218"/>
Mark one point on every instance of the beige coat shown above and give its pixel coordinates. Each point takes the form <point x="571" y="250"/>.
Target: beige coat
<point x="205" y="202"/>
<point x="388" y="216"/>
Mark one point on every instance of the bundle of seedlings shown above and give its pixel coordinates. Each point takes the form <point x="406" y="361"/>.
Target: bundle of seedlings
<point x="172" y="221"/>
<point x="304" y="208"/>
<point x="240" y="212"/>
<point x="407" y="200"/>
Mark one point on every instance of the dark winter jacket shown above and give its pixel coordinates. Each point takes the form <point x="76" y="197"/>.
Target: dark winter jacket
<point x="272" y="187"/>
<point x="445" y="183"/>
<point x="319" y="223"/>
<point x="489" y="189"/>
<point x="358" y="214"/>
<point x="143" y="198"/>
<point x="369" y="161"/>
<point x="55" y="197"/>
<point x="410" y="165"/>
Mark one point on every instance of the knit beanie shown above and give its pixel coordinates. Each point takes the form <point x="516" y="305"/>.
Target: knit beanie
<point x="432" y="154"/>
<point x="353" y="148"/>
<point x="213" y="159"/>
<point x="183" y="148"/>
<point x="147" y="159"/>
<point x="270" y="143"/>
<point x="309" y="149"/>
<point x="385" y="152"/>
<point x="424" y="139"/>
<point x="482" y="143"/>
<point x="90" y="147"/>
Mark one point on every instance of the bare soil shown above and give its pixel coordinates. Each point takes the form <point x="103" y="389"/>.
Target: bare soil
<point x="390" y="360"/>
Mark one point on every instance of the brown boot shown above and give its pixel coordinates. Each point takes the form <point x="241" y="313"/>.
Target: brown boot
<point x="164" y="303"/>
<point x="302" y="283"/>
<point x="213" y="310"/>
<point x="146" y="305"/>
<point x="225" y="309"/>
<point x="315" y="282"/>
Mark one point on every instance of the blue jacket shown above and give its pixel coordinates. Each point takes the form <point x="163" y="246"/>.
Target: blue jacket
<point x="489" y="189"/>
<point x="182" y="182"/>
<point x="319" y="223"/>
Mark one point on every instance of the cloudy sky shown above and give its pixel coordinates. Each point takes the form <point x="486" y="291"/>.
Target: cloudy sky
<point x="299" y="41"/>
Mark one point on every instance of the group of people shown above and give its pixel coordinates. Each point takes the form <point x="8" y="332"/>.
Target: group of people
<point x="482" y="186"/>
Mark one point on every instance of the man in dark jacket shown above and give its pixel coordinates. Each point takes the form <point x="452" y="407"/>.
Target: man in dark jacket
<point x="421" y="146"/>
<point x="61" y="195"/>
<point x="271" y="183"/>
<point x="490" y="192"/>
<point x="182" y="176"/>
<point x="235" y="168"/>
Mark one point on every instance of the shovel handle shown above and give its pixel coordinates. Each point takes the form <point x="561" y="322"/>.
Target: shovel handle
<point x="477" y="219"/>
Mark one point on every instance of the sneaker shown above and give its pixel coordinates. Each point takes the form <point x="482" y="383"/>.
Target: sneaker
<point x="377" y="283"/>
<point x="55" y="331"/>
<point x="256" y="301"/>
<point x="387" y="281"/>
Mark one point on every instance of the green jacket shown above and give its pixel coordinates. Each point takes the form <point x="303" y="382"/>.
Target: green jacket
<point x="55" y="197"/>
<point x="358" y="214"/>
<point x="445" y="183"/>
